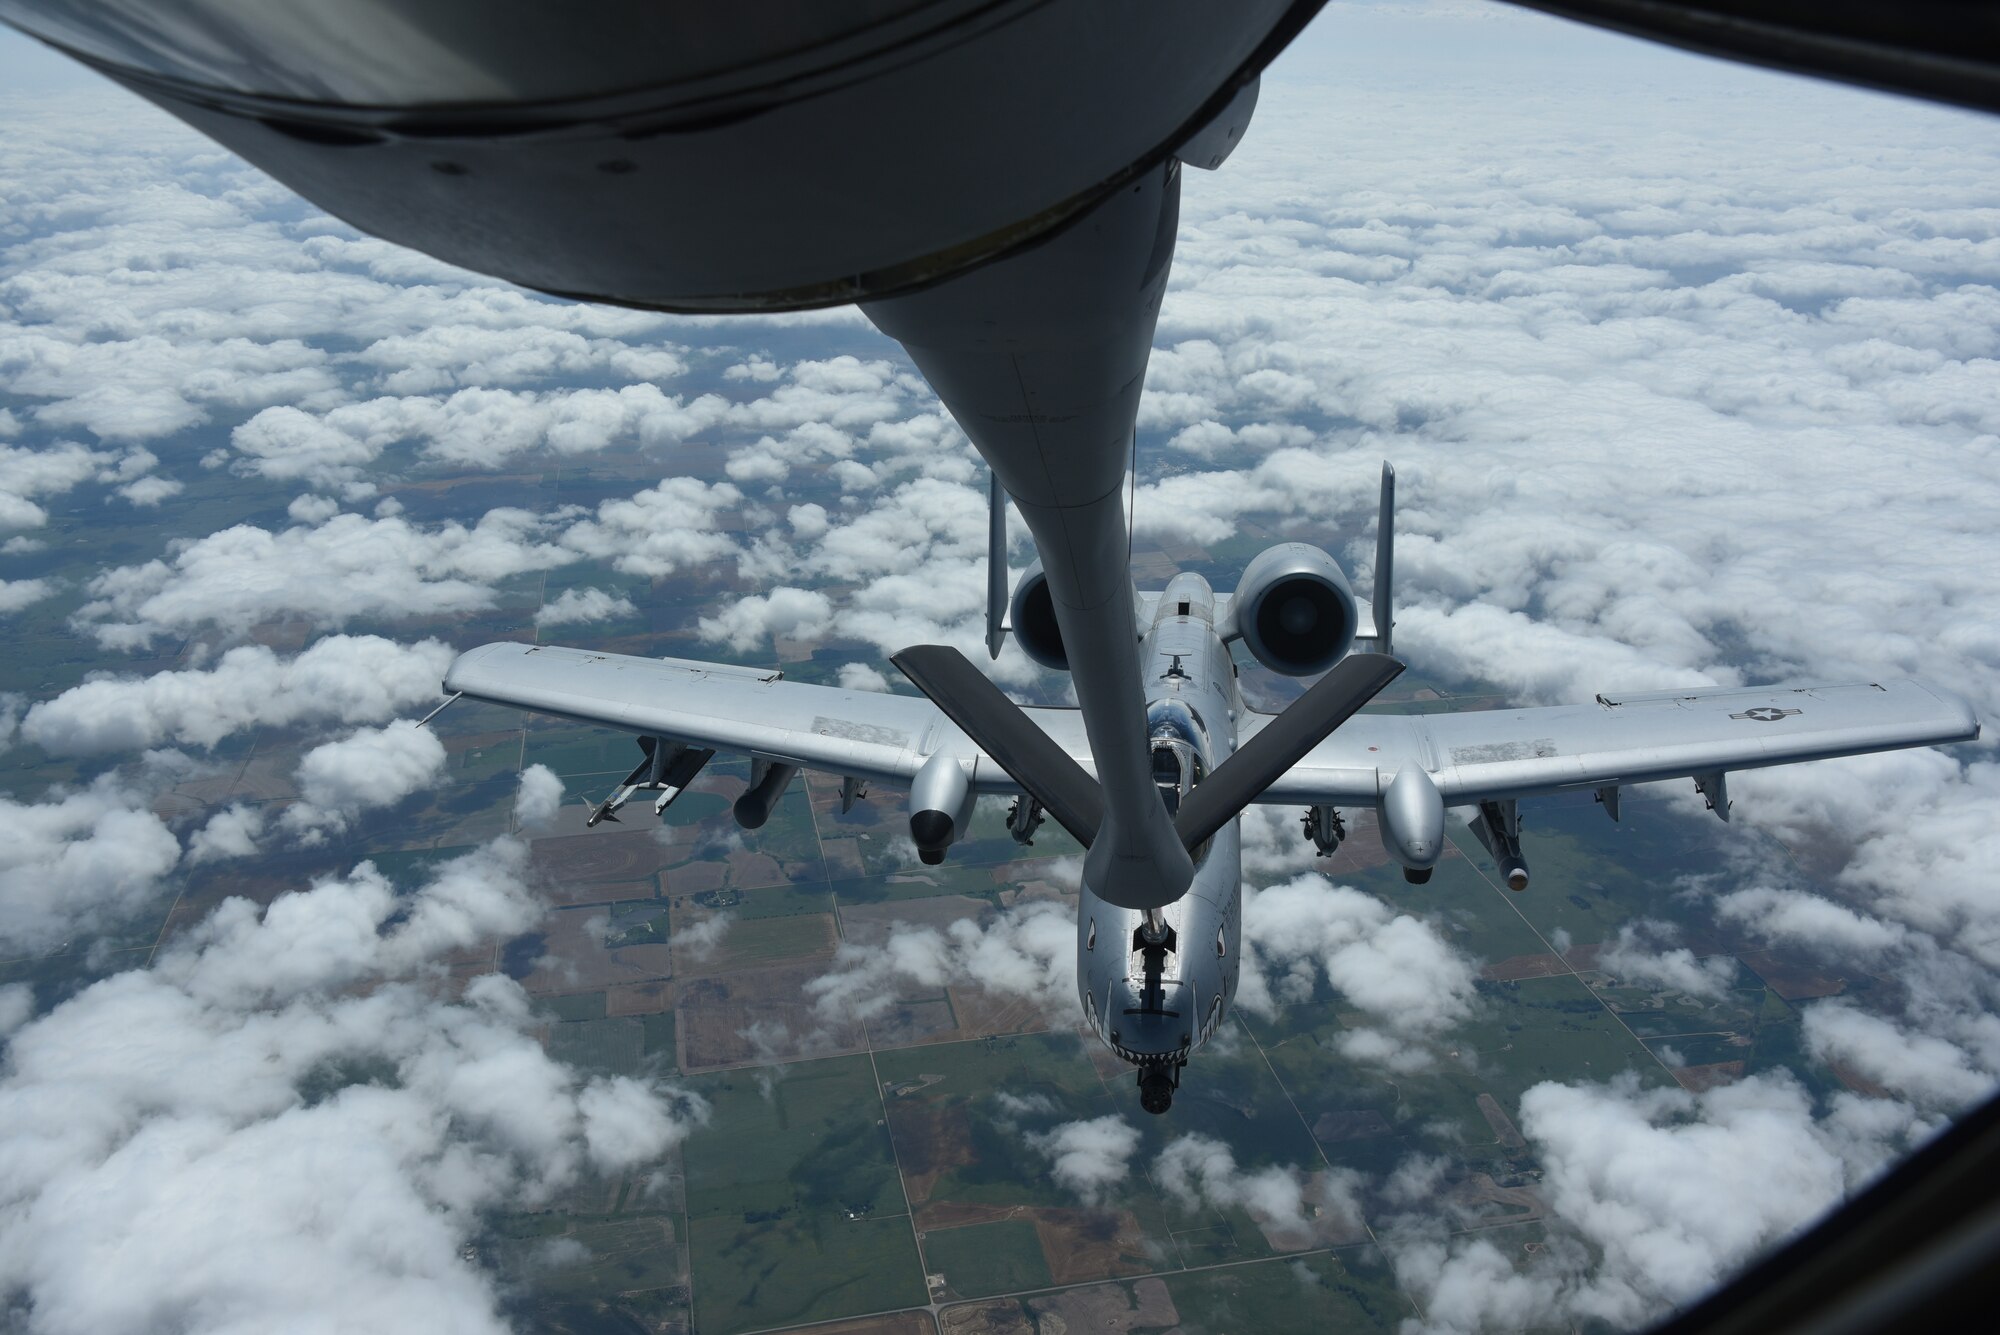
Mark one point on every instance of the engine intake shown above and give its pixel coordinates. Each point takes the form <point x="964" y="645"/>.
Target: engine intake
<point x="1033" y="613"/>
<point x="1295" y="610"/>
<point x="941" y="801"/>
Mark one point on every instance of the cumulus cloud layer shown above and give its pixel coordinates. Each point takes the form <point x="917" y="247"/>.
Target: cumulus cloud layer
<point x="369" y="768"/>
<point x="1027" y="951"/>
<point x="1410" y="981"/>
<point x="339" y="679"/>
<point x="200" y="1120"/>
<point x="86" y="858"/>
<point x="1672" y="1190"/>
<point x="1088" y="1157"/>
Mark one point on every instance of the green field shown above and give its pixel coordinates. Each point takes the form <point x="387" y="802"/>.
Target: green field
<point x="789" y="1271"/>
<point x="1349" y="1290"/>
<point x="802" y="1139"/>
<point x="982" y="1259"/>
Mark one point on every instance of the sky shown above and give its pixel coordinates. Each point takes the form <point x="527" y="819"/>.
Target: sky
<point x="1689" y="374"/>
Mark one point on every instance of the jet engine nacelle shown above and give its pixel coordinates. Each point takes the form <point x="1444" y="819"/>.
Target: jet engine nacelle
<point x="1033" y="614"/>
<point x="1295" y="610"/>
<point x="941" y="801"/>
<point x="1413" y="822"/>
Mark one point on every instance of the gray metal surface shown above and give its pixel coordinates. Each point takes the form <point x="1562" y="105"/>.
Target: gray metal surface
<point x="660" y="155"/>
<point x="1485" y="755"/>
<point x="1006" y="734"/>
<point x="1041" y="358"/>
<point x="1491" y="754"/>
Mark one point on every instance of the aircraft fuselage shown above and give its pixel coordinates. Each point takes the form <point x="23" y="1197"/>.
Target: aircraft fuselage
<point x="1156" y="985"/>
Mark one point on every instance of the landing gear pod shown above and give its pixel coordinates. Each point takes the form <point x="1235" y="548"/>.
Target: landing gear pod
<point x="1413" y="823"/>
<point x="941" y="800"/>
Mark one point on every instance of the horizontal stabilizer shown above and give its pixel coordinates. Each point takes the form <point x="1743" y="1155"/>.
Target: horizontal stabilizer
<point x="1267" y="757"/>
<point x="1043" y="769"/>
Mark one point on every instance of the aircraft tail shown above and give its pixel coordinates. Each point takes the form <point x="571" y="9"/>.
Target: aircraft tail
<point x="1383" y="605"/>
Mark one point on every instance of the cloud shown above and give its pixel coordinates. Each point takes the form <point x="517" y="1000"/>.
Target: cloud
<point x="329" y="573"/>
<point x="230" y="833"/>
<point x="1026" y="951"/>
<point x="16" y="594"/>
<point x="862" y="677"/>
<point x="700" y="939"/>
<point x="538" y="799"/>
<point x="338" y="679"/>
<point x="1394" y="967"/>
<point x="203" y="1119"/>
<point x="474" y="427"/>
<point x="788" y="613"/>
<point x="1670" y="1191"/>
<point x="1801" y="917"/>
<point x="1635" y="958"/>
<point x="28" y="476"/>
<point x="572" y="606"/>
<point x="17" y="1007"/>
<point x="1197" y="1170"/>
<point x="1924" y="1068"/>
<point x="368" y="769"/>
<point x="660" y="530"/>
<point x="82" y="859"/>
<point x="1088" y="1158"/>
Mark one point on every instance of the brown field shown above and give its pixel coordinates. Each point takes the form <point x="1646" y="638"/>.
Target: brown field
<point x="574" y="961"/>
<point x="696" y="878"/>
<point x="1108" y="1307"/>
<point x="870" y="924"/>
<point x="1491" y="1203"/>
<point x="639" y="998"/>
<point x="1077" y="1245"/>
<point x="1503" y="1126"/>
<point x="981" y="1013"/>
<point x="567" y="894"/>
<point x="1083" y="1245"/>
<point x="931" y="1139"/>
<point x="715" y="1013"/>
<point x="751" y="871"/>
<point x="1333" y="1127"/>
<point x="750" y="942"/>
<point x="625" y="855"/>
<point x="843" y="858"/>
<point x="911" y="1023"/>
<point x="1583" y="956"/>
<point x="1696" y="1079"/>
<point x="1857" y="1082"/>
<point x="1790" y="979"/>
<point x="1517" y="967"/>
<point x="995" y="1316"/>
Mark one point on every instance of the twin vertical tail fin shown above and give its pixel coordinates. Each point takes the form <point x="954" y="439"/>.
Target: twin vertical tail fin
<point x="1385" y="561"/>
<point x="1384" y="597"/>
<point x="1047" y="773"/>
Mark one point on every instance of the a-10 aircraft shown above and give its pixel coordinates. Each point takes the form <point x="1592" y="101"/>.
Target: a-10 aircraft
<point x="1155" y="982"/>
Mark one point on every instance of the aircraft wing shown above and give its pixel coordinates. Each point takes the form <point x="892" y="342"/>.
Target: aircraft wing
<point x="1488" y="755"/>
<point x="747" y="711"/>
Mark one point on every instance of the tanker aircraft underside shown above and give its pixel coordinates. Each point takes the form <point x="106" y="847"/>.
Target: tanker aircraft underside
<point x="1156" y="973"/>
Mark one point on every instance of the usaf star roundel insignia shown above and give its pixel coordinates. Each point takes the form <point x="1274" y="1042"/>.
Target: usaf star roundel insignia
<point x="1766" y="714"/>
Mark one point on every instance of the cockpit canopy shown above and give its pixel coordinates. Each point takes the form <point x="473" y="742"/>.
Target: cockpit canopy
<point x="1179" y="745"/>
